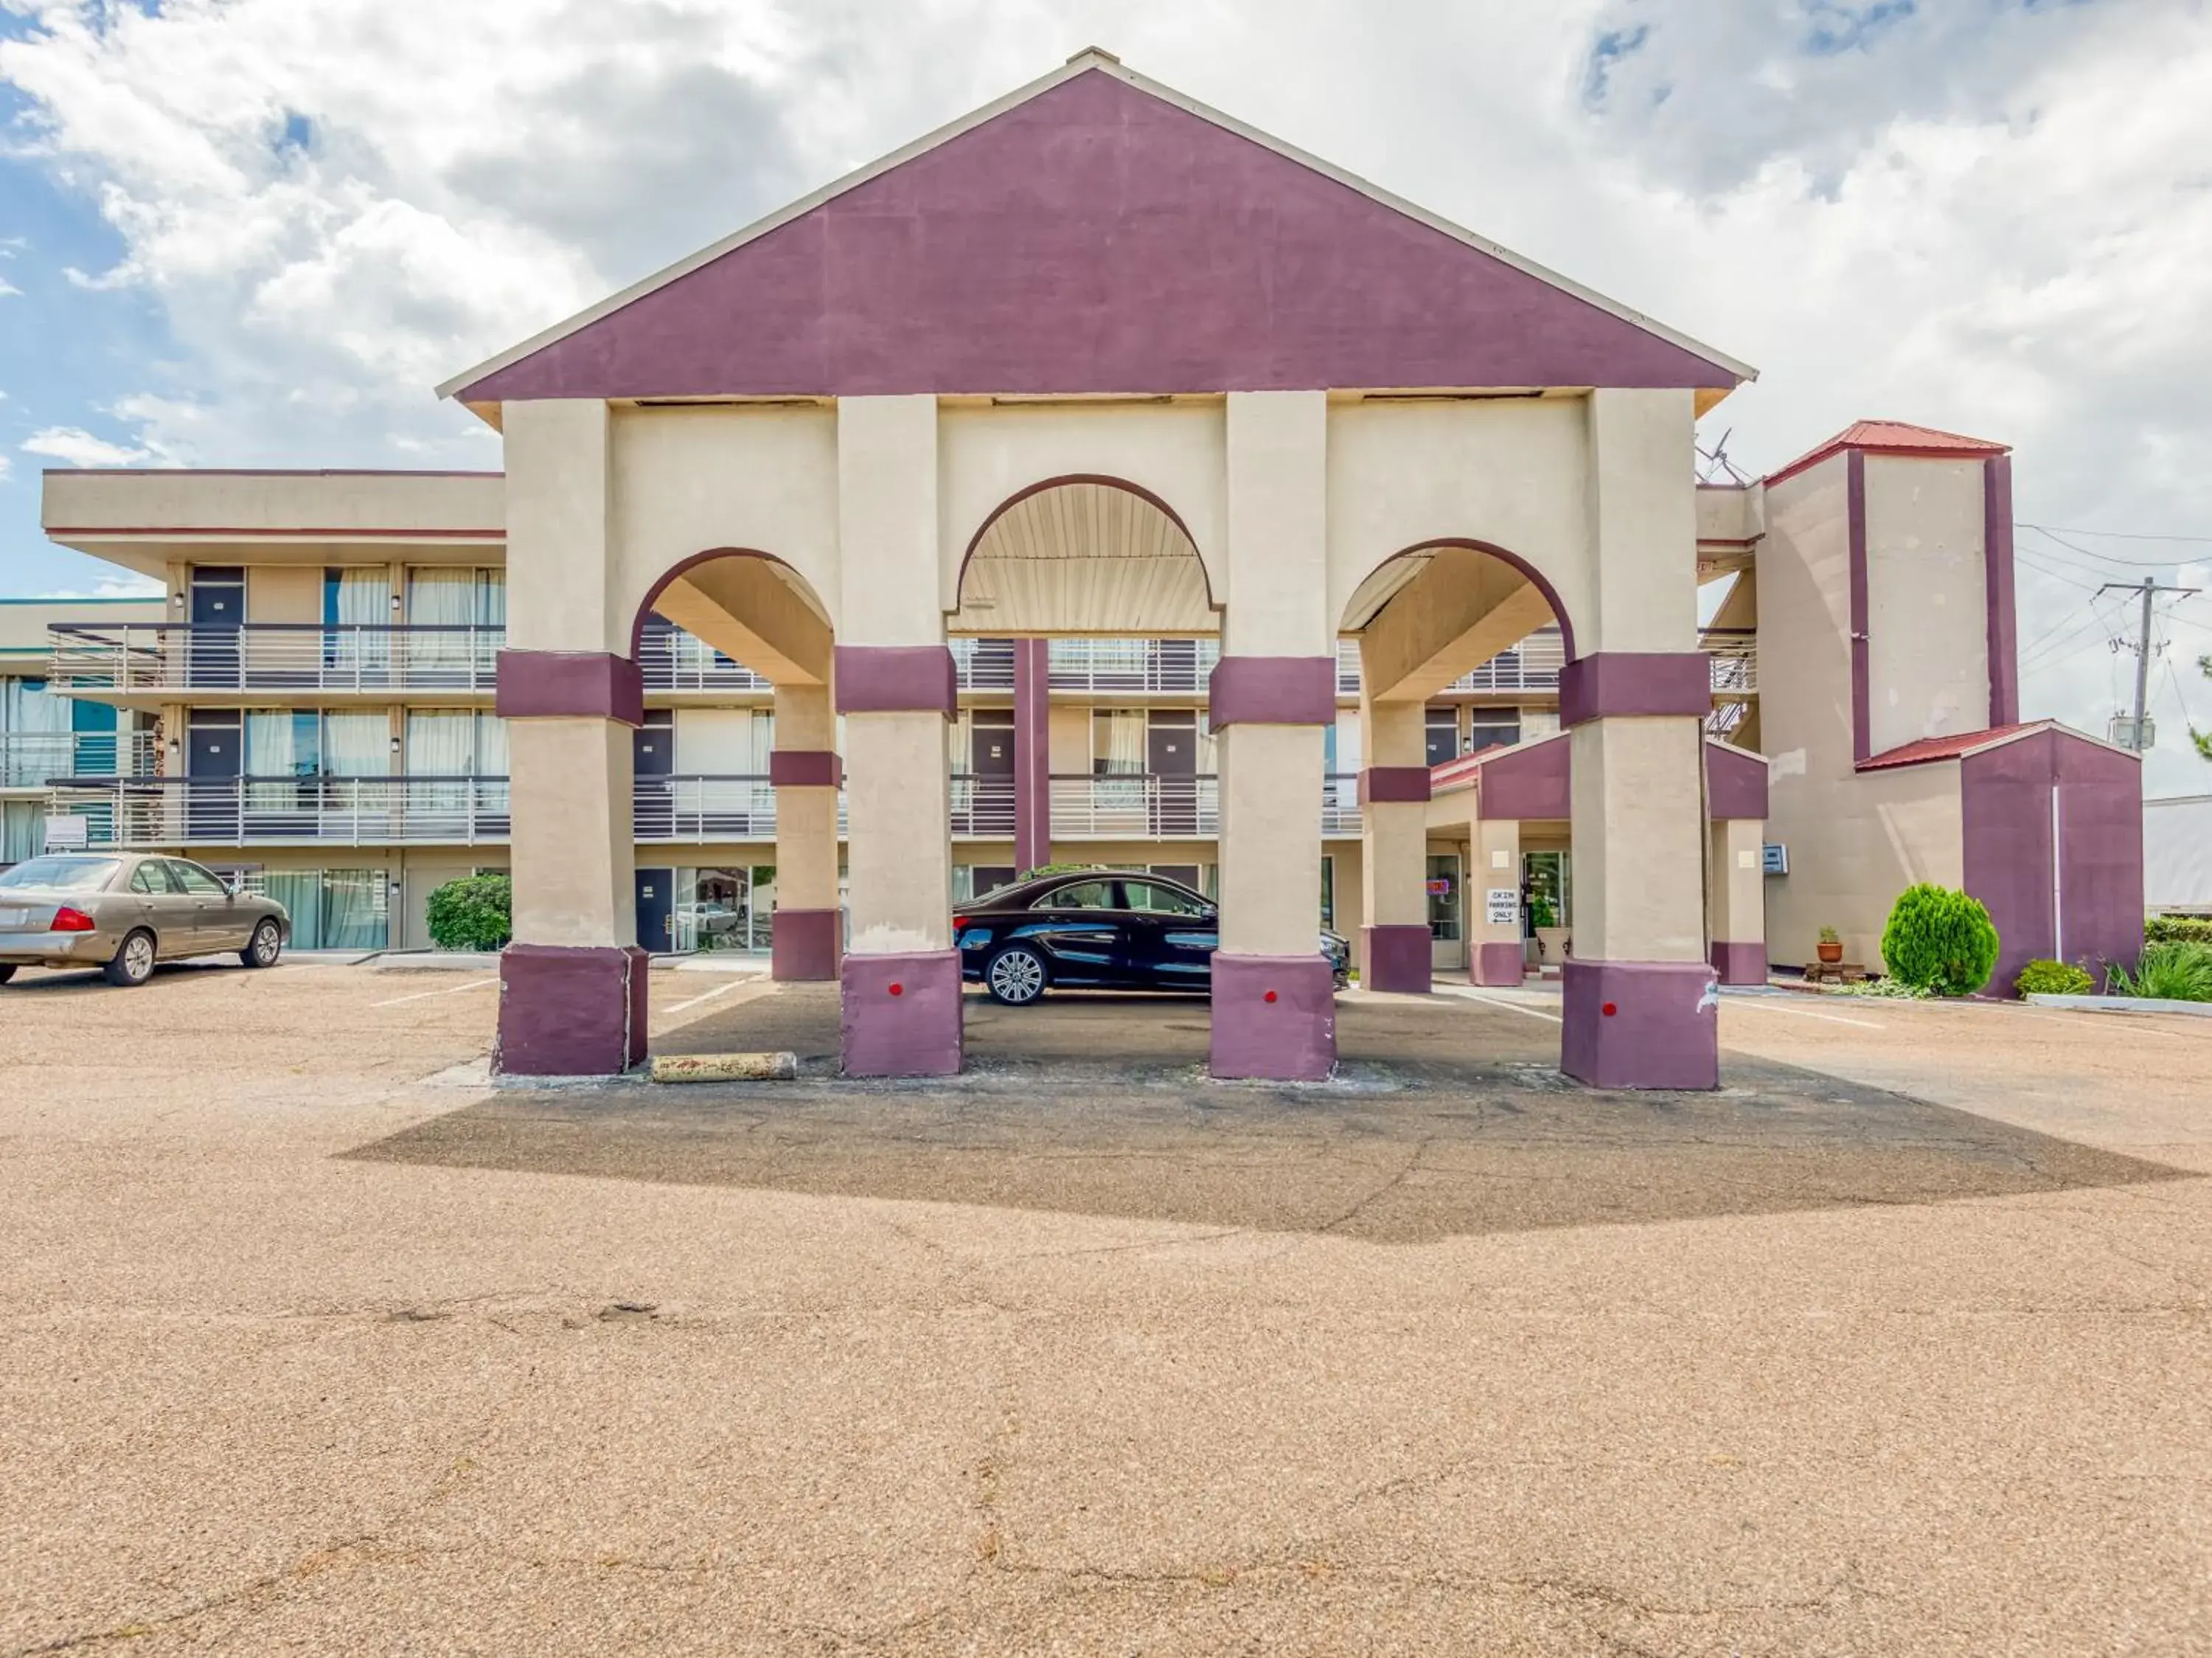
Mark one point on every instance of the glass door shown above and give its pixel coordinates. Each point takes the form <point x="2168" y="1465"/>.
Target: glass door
<point x="1447" y="912"/>
<point x="1546" y="903"/>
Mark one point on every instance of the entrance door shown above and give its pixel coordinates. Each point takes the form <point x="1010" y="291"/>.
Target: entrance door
<point x="218" y="612"/>
<point x="1447" y="912"/>
<point x="652" y="759"/>
<point x="1171" y="756"/>
<point x="656" y="910"/>
<point x="1547" y="895"/>
<point x="211" y="773"/>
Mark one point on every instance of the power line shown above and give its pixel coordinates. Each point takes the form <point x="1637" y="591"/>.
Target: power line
<point x="2056" y="575"/>
<point x="2150" y="591"/>
<point x="2116" y="535"/>
<point x="2109" y="558"/>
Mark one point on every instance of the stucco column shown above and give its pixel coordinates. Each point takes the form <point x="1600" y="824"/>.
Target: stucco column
<point x="572" y="983"/>
<point x="1499" y="956"/>
<point x="1394" y="952"/>
<point x="1638" y="1008"/>
<point x="895" y="686"/>
<point x="808" y="929"/>
<point x="1032" y="753"/>
<point x="1272" y="692"/>
<point x="1736" y="899"/>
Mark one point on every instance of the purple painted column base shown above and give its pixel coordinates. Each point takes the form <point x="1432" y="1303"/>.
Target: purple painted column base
<point x="1498" y="964"/>
<point x="1640" y="1025"/>
<point x="805" y="945"/>
<point x="900" y="1015"/>
<point x="1291" y="1038"/>
<point x="1395" y="956"/>
<point x="570" y="1010"/>
<point x="1740" y="963"/>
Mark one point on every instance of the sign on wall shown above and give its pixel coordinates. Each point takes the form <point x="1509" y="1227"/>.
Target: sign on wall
<point x="1502" y="906"/>
<point x="1778" y="858"/>
<point x="68" y="834"/>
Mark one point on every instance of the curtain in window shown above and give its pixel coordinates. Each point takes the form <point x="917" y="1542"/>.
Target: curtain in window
<point x="356" y="611"/>
<point x="355" y="746"/>
<point x="441" y="743"/>
<point x="491" y="767"/>
<point x="301" y="893"/>
<point x="280" y="743"/>
<point x="355" y="910"/>
<point x="22" y="830"/>
<point x="491" y="598"/>
<point x="37" y="723"/>
<point x="1117" y="741"/>
<point x="1209" y="751"/>
<point x="440" y="599"/>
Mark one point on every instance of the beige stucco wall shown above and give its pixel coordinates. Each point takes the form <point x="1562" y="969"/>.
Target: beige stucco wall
<point x="1927" y="600"/>
<point x="1853" y="848"/>
<point x="572" y="854"/>
<point x="901" y="875"/>
<point x="561" y="555"/>
<point x="763" y="477"/>
<point x="987" y="453"/>
<point x="1735" y="888"/>
<point x="23" y="625"/>
<point x="1068" y="739"/>
<point x="1640" y="840"/>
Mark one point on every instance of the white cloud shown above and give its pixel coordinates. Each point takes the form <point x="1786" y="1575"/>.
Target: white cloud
<point x="75" y="447"/>
<point x="127" y="587"/>
<point x="1990" y="219"/>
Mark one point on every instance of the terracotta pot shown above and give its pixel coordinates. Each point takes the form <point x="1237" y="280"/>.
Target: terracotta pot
<point x="1831" y="953"/>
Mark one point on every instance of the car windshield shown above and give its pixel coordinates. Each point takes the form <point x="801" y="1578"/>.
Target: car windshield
<point x="61" y="874"/>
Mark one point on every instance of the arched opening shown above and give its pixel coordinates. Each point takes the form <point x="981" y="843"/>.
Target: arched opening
<point x="1460" y="647"/>
<point x="733" y="646"/>
<point x="1092" y="586"/>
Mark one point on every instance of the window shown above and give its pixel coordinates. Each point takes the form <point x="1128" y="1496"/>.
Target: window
<point x="66" y="874"/>
<point x="195" y="881"/>
<point x="1489" y="729"/>
<point x="1442" y="728"/>
<point x="1117" y="741"/>
<point x="152" y="878"/>
<point x="1083" y="895"/>
<point x="1153" y="900"/>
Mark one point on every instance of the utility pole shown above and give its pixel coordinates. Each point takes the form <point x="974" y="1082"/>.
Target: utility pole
<point x="2149" y="589"/>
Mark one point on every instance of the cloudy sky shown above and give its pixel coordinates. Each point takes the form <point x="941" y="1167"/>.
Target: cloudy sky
<point x="257" y="232"/>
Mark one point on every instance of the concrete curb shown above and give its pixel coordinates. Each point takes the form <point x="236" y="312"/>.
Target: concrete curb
<point x="428" y="961"/>
<point x="2135" y="1004"/>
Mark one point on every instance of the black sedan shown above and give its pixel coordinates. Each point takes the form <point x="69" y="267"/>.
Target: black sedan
<point x="1096" y="930"/>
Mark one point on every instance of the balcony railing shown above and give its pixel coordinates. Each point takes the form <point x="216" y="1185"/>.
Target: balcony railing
<point x="1532" y="665"/>
<point x="1148" y="806"/>
<point x="290" y="811"/>
<point x="1134" y="666"/>
<point x="671" y="660"/>
<point x="31" y="759"/>
<point x="982" y="808"/>
<point x="1734" y="654"/>
<point x="983" y="664"/>
<point x="274" y="656"/>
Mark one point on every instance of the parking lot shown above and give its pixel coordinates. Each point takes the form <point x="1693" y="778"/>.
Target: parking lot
<point x="314" y="1342"/>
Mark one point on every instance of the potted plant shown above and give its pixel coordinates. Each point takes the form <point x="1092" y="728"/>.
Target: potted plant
<point x="1832" y="946"/>
<point x="1551" y="938"/>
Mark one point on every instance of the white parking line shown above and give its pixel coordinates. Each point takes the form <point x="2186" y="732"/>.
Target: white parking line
<point x="719" y="989"/>
<point x="1461" y="991"/>
<point x="1767" y="1006"/>
<point x="451" y="990"/>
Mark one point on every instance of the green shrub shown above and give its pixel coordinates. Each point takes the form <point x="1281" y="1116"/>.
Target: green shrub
<point x="475" y="912"/>
<point x="2053" y="979"/>
<point x="1941" y="940"/>
<point x="2177" y="930"/>
<point x="2171" y="971"/>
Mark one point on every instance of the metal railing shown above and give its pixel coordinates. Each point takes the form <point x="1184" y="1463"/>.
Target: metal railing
<point x="292" y="811"/>
<point x="983" y="664"/>
<point x="1134" y="666"/>
<point x="31" y="759"/>
<point x="1734" y="654"/>
<point x="982" y="808"/>
<point x="1347" y="667"/>
<point x="701" y="805"/>
<point x="1148" y="806"/>
<point x="671" y="660"/>
<point x="274" y="656"/>
<point x="1532" y="665"/>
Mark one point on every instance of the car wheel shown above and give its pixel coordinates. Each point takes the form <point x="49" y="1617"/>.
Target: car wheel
<point x="262" y="949"/>
<point x="1016" y="976"/>
<point x="133" y="961"/>
<point x="7" y="972"/>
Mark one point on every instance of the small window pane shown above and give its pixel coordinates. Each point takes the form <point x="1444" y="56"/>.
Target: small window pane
<point x="195" y="880"/>
<point x="1161" y="900"/>
<point x="1084" y="895"/>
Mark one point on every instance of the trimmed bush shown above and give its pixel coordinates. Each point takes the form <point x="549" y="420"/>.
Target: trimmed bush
<point x="2053" y="979"/>
<point x="2177" y="930"/>
<point x="2171" y="972"/>
<point x="475" y="912"/>
<point x="1940" y="941"/>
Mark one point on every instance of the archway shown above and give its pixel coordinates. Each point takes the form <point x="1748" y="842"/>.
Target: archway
<point x="1461" y="646"/>
<point x="736" y="772"/>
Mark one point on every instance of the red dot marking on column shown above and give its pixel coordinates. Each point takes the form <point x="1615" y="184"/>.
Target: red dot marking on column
<point x="900" y="990"/>
<point x="1608" y="1010"/>
<point x="1270" y="997"/>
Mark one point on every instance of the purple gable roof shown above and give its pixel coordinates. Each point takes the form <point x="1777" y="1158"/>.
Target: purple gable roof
<point x="1097" y="238"/>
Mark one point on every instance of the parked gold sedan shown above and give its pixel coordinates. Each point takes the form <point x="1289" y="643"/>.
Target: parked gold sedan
<point x="123" y="911"/>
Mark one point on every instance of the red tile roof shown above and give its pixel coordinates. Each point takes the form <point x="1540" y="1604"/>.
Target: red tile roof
<point x="1891" y="437"/>
<point x="1951" y="748"/>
